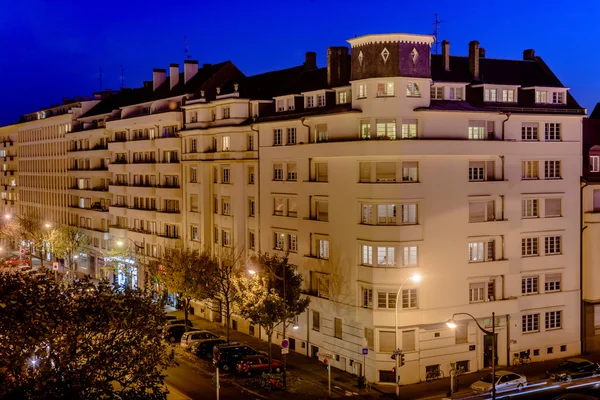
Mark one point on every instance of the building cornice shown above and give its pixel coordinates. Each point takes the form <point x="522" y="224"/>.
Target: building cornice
<point x="391" y="38"/>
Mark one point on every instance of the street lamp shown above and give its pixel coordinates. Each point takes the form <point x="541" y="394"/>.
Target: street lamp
<point x="416" y="278"/>
<point x="452" y="324"/>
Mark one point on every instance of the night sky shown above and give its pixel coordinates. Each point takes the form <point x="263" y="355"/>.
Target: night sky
<point x="50" y="49"/>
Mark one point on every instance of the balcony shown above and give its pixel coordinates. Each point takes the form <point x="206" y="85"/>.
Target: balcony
<point x="96" y="147"/>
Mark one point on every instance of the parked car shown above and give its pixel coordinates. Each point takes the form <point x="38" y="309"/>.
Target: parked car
<point x="574" y="368"/>
<point x="179" y="322"/>
<point x="193" y="336"/>
<point x="173" y="333"/>
<point x="505" y="380"/>
<point x="204" y="348"/>
<point x="16" y="260"/>
<point x="227" y="356"/>
<point x="257" y="364"/>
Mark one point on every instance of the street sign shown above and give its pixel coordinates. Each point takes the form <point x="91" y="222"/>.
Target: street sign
<point x="55" y="266"/>
<point x="365" y="351"/>
<point x="285" y="350"/>
<point x="325" y="361"/>
<point x="285" y="344"/>
<point x="22" y="251"/>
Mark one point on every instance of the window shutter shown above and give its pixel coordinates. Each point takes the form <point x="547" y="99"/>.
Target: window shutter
<point x="321" y="172"/>
<point x="365" y="171"/>
<point x="596" y="200"/>
<point x="386" y="341"/>
<point x="477" y="211"/>
<point x="386" y="171"/>
<point x="491" y="215"/>
<point x="408" y="340"/>
<point x="476" y="164"/>
<point x="490" y="170"/>
<point x="553" y="207"/>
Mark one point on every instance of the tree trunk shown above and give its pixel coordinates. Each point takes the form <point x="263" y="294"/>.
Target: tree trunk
<point x="228" y="316"/>
<point x="269" y="341"/>
<point x="186" y="306"/>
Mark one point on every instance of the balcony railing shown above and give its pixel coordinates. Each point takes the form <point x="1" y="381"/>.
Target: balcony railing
<point x="167" y="211"/>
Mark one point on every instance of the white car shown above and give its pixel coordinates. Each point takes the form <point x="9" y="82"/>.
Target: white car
<point x="193" y="336"/>
<point x="505" y="380"/>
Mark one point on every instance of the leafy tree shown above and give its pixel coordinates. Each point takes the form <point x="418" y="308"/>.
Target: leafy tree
<point x="262" y="299"/>
<point x="37" y="234"/>
<point x="79" y="341"/>
<point x="186" y="271"/>
<point x="67" y="242"/>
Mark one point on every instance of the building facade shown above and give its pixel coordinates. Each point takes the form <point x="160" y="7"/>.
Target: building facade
<point x="387" y="162"/>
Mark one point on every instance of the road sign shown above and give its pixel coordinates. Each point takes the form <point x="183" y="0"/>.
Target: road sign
<point x="22" y="251"/>
<point x="285" y="350"/>
<point x="325" y="361"/>
<point x="365" y="351"/>
<point x="55" y="266"/>
<point x="285" y="344"/>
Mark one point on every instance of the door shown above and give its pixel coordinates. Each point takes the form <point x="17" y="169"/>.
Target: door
<point x="503" y="383"/>
<point x="487" y="351"/>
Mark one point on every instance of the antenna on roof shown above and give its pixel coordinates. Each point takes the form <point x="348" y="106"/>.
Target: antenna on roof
<point x="436" y="30"/>
<point x="122" y="77"/>
<point x="187" y="50"/>
<point x="100" y="78"/>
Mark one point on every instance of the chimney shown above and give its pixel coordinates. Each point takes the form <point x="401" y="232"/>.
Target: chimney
<point x="174" y="75"/>
<point x="474" y="59"/>
<point x="159" y="76"/>
<point x="529" y="54"/>
<point x="338" y="66"/>
<point x="481" y="52"/>
<point x="190" y="68"/>
<point x="311" y="61"/>
<point x="446" y="54"/>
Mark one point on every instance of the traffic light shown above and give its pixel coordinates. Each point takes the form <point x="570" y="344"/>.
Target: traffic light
<point x="402" y="359"/>
<point x="394" y="371"/>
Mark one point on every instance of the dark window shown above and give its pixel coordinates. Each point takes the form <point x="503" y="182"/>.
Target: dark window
<point x="292" y="344"/>
<point x="563" y="347"/>
<point x="251" y="330"/>
<point x="536" y="352"/>
<point x="462" y="366"/>
<point x="386" y="376"/>
<point x="234" y="324"/>
<point x="314" y="351"/>
<point x="550" y="350"/>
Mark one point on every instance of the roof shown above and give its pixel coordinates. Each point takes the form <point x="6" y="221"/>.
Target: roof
<point x="596" y="113"/>
<point x="450" y="105"/>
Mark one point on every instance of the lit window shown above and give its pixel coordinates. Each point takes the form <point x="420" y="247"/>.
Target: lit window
<point x="362" y="91"/>
<point x="226" y="141"/>
<point x="437" y="93"/>
<point x="529" y="170"/>
<point x="541" y="96"/>
<point x="385" y="89"/>
<point x="412" y="90"/>
<point x="386" y="129"/>
<point x="594" y="163"/>
<point x="491" y="95"/>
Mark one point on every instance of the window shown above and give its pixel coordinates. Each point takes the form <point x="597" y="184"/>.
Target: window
<point x="293" y="243"/>
<point x="386" y="300"/>
<point x="387" y="343"/>
<point x="552" y="245"/>
<point x="409" y="129"/>
<point x="384" y="172"/>
<point x="385" y="89"/>
<point x="278" y="172"/>
<point x="316" y="321"/>
<point x="476" y="251"/>
<point x="225" y="141"/>
<point x="319" y="284"/>
<point x="280" y="105"/>
<point x="278" y="203"/>
<point x="491" y="95"/>
<point x="476" y="130"/>
<point x="277" y="137"/>
<point x="386" y="256"/>
<point x="338" y="328"/>
<point x="322" y="210"/>
<point x="291" y="172"/>
<point x="310" y="101"/>
<point x="477" y="292"/>
<point x="226" y="206"/>
<point x="194" y="233"/>
<point x="370" y="338"/>
<point x="386" y="129"/>
<point x="529" y="285"/>
<point x="250" y="142"/>
<point x="342" y="97"/>
<point x="409" y="214"/>
<point x="251" y="207"/>
<point x="553" y="320"/>
<point x="530" y="323"/>
<point x="410" y="171"/>
<point x="361" y="93"/>
<point x="226" y="112"/>
<point x="409" y="298"/>
<point x="324" y="249"/>
<point x="412" y="90"/>
<point x="530" y="170"/>
<point x="437" y="93"/>
<point x="250" y="175"/>
<point x="225" y="175"/>
<point x="365" y="129"/>
<point x="251" y="240"/>
<point x="529" y="208"/>
<point x="552" y="132"/>
<point x="386" y="214"/>
<point x="508" y="95"/>
<point x="292" y="208"/>
<point x="226" y="238"/>
<point x="291" y="135"/>
<point x="476" y="171"/>
<point x="541" y="96"/>
<point x="558" y="97"/>
<point x="482" y="211"/>
<point x="552" y="283"/>
<point x="193" y="175"/>
<point x="552" y="170"/>
<point x="529" y="131"/>
<point x="553" y="208"/>
<point x="456" y="93"/>
<point x="367" y="298"/>
<point x="321" y="172"/>
<point x="278" y="240"/>
<point x="321" y="131"/>
<point x="321" y="100"/>
<point x="194" y="203"/>
<point x="529" y="246"/>
<point x="193" y="146"/>
<point x="594" y="163"/>
<point x="409" y="256"/>
<point x="367" y="255"/>
<point x="291" y="104"/>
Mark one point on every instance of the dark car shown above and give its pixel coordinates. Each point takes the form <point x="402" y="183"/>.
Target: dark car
<point x="574" y="368"/>
<point x="204" y="348"/>
<point x="257" y="364"/>
<point x="173" y="333"/>
<point x="226" y="356"/>
<point x="179" y="322"/>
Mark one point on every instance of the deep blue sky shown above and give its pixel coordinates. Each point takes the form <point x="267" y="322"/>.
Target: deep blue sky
<point x="50" y="49"/>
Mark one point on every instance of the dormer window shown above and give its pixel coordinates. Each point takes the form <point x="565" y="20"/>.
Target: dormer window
<point x="558" y="98"/>
<point x="508" y="95"/>
<point x="490" y="95"/>
<point x="310" y="101"/>
<point x="342" y="97"/>
<point x="412" y="90"/>
<point x="385" y="89"/>
<point x="194" y="116"/>
<point x="456" y="93"/>
<point x="280" y="105"/>
<point x="226" y="112"/>
<point x="594" y="163"/>
<point x="541" y="96"/>
<point x="321" y="100"/>
<point x="213" y="114"/>
<point x="291" y="105"/>
<point x="437" y="93"/>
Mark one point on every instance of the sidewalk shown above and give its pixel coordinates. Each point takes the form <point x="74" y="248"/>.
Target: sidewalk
<point x="307" y="377"/>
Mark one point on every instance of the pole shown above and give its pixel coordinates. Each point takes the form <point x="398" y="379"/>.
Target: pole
<point x="283" y="321"/>
<point x="493" y="356"/>
<point x="218" y="386"/>
<point x="397" y="370"/>
<point x="328" y="378"/>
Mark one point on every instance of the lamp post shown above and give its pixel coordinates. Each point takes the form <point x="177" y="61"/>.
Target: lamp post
<point x="120" y="243"/>
<point x="452" y="324"/>
<point x="283" y="320"/>
<point x="415" y="278"/>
